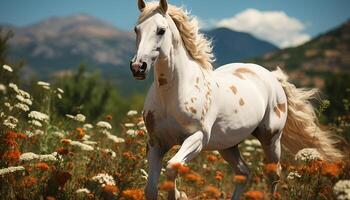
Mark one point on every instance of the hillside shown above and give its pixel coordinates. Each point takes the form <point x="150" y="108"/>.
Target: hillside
<point x="329" y="53"/>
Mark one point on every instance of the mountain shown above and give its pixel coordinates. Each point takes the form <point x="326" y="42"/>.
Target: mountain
<point x="53" y="47"/>
<point x="310" y="63"/>
<point x="231" y="46"/>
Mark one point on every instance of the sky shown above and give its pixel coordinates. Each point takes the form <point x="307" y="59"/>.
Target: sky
<point x="282" y="22"/>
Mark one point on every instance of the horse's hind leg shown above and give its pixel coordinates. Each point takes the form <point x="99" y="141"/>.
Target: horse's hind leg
<point x="233" y="157"/>
<point x="271" y="144"/>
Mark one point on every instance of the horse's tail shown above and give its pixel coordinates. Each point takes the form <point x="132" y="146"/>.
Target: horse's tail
<point x="302" y="128"/>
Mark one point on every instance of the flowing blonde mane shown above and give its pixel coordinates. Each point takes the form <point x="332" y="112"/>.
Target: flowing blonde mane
<point x="197" y="46"/>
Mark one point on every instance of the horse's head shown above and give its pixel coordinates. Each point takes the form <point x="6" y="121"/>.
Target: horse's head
<point x="153" y="38"/>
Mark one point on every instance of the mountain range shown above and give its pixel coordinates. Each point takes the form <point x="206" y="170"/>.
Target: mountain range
<point x="55" y="46"/>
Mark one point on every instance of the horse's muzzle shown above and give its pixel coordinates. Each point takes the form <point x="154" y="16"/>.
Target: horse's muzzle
<point x="138" y="70"/>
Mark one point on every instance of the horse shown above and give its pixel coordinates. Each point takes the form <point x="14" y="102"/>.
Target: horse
<point x="202" y="109"/>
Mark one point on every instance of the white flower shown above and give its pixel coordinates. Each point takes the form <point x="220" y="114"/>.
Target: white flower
<point x="7" y="68"/>
<point x="42" y="83"/>
<point x="10" y="122"/>
<point x="59" y="96"/>
<point x="58" y="134"/>
<point x="249" y="148"/>
<point x="86" y="137"/>
<point x="103" y="124"/>
<point x="87" y="126"/>
<point x="19" y="91"/>
<point x="22" y="107"/>
<point x="60" y="90"/>
<point x="114" y="138"/>
<point x="141" y="124"/>
<point x="38" y="116"/>
<point x="83" y="190"/>
<point x="35" y="123"/>
<point x="9" y="170"/>
<point x="104" y="179"/>
<point x="36" y="132"/>
<point x="80" y="145"/>
<point x="2" y="114"/>
<point x="78" y="117"/>
<point x="217" y="153"/>
<point x="7" y="104"/>
<point x="2" y="88"/>
<point x="29" y="156"/>
<point x="131" y="133"/>
<point x="248" y="142"/>
<point x="308" y="154"/>
<point x="246" y="154"/>
<point x="129" y="125"/>
<point x="255" y="142"/>
<point x="132" y="113"/>
<point x="110" y="152"/>
<point x="293" y="175"/>
<point x="144" y="174"/>
<point x="88" y="142"/>
<point x="342" y="190"/>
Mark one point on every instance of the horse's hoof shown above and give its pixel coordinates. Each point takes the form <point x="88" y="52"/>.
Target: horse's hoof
<point x="183" y="196"/>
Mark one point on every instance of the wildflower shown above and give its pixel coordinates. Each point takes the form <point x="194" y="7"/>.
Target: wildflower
<point x="144" y="174"/>
<point x="60" y="90"/>
<point x="218" y="175"/>
<point x="271" y="168"/>
<point x="342" y="189"/>
<point x="22" y="107"/>
<point x="29" y="156"/>
<point x="248" y="142"/>
<point x="104" y="179"/>
<point x="255" y="142"/>
<point x="87" y="126"/>
<point x="331" y="169"/>
<point x="212" y="158"/>
<point x="131" y="113"/>
<point x="12" y="155"/>
<point x="254" y="195"/>
<point x="109" y="117"/>
<point x="193" y="177"/>
<point x="62" y="151"/>
<point x="131" y="133"/>
<point x="82" y="134"/>
<point x="249" y="148"/>
<point x="35" y="123"/>
<point x="110" y="152"/>
<point x="110" y="190"/>
<point x="114" y="138"/>
<point x="59" y="96"/>
<point x="308" y="154"/>
<point x="83" y="190"/>
<point x="10" y="122"/>
<point x="28" y="181"/>
<point x="246" y="154"/>
<point x="80" y="145"/>
<point x="129" y="125"/>
<point x="36" y="133"/>
<point x="2" y="88"/>
<point x="293" y="175"/>
<point x="239" y="178"/>
<point x="91" y="143"/>
<point x="58" y="134"/>
<point x="45" y="85"/>
<point x="212" y="191"/>
<point x="183" y="169"/>
<point x="134" y="194"/>
<point x="7" y="68"/>
<point x="104" y="125"/>
<point x="10" y="170"/>
<point x="42" y="166"/>
<point x="78" y="117"/>
<point x="50" y="198"/>
<point x="167" y="185"/>
<point x="38" y="116"/>
<point x="61" y="177"/>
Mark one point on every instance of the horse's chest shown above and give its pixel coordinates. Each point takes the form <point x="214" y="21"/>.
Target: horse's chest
<point x="164" y="130"/>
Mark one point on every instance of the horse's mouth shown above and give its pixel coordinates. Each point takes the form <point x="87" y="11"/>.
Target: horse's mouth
<point x="140" y="76"/>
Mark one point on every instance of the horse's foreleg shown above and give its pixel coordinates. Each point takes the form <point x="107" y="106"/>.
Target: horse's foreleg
<point x="190" y="148"/>
<point x="154" y="155"/>
<point x="234" y="158"/>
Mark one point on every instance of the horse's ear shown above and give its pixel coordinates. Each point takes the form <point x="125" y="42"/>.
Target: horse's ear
<point x="163" y="4"/>
<point x="141" y="4"/>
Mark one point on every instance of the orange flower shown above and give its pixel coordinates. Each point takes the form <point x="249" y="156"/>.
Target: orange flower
<point x="176" y="166"/>
<point x="81" y="133"/>
<point x="140" y="132"/>
<point x="331" y="169"/>
<point x="212" y="191"/>
<point x="110" y="189"/>
<point x="212" y="158"/>
<point x="62" y="177"/>
<point x="109" y="117"/>
<point x="271" y="168"/>
<point x="21" y="136"/>
<point x="11" y="143"/>
<point x="27" y="181"/>
<point x="42" y="166"/>
<point x="129" y="155"/>
<point x="254" y="195"/>
<point x="11" y="135"/>
<point x="50" y="198"/>
<point x="184" y="170"/>
<point x="12" y="155"/>
<point x="239" y="178"/>
<point x="134" y="194"/>
<point x="62" y="151"/>
<point x="167" y="185"/>
<point x="193" y="177"/>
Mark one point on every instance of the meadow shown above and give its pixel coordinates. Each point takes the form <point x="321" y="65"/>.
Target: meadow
<point x="45" y="155"/>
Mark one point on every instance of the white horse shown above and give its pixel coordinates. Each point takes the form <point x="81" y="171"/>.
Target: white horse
<point x="191" y="105"/>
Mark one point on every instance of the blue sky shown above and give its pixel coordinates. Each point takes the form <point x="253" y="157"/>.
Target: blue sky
<point x="310" y="17"/>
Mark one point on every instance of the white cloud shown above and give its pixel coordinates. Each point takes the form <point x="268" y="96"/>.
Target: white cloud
<point x="273" y="26"/>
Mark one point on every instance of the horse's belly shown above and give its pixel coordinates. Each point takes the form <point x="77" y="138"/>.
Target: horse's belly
<point x="168" y="132"/>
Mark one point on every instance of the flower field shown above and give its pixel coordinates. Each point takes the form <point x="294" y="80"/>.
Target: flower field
<point x="46" y="156"/>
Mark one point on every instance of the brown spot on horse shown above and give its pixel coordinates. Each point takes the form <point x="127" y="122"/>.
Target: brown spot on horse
<point x="162" y="81"/>
<point x="238" y="72"/>
<point x="193" y="110"/>
<point x="233" y="89"/>
<point x="277" y="111"/>
<point x="197" y="80"/>
<point x="282" y="107"/>
<point x="241" y="102"/>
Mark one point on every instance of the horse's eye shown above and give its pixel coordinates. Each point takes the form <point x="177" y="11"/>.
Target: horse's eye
<point x="161" y="31"/>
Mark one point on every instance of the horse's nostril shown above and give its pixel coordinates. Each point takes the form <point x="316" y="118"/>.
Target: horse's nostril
<point x="144" y="66"/>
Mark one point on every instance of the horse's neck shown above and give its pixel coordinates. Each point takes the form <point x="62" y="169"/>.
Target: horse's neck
<point x="174" y="73"/>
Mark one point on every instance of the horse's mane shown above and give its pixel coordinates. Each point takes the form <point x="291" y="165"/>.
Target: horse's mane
<point x="197" y="46"/>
